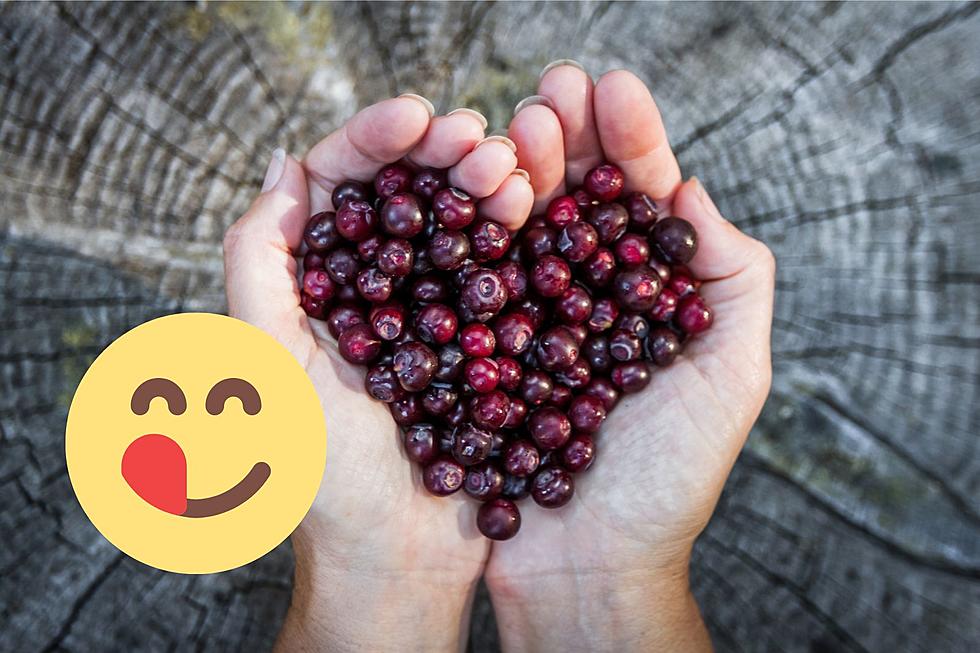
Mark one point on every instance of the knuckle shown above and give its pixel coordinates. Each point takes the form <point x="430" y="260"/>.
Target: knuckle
<point x="234" y="236"/>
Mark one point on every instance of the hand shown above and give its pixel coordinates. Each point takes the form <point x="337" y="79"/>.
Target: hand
<point x="378" y="560"/>
<point x="609" y="569"/>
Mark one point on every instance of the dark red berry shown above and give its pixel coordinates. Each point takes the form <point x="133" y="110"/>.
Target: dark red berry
<point x="430" y="288"/>
<point x="439" y="399"/>
<point x="599" y="269"/>
<point x="395" y="257"/>
<point x="443" y="476"/>
<point x="516" y="487"/>
<point x="514" y="278"/>
<point x="561" y="396"/>
<point x="550" y="276"/>
<point x="484" y="482"/>
<point x="489" y="241"/>
<point x="367" y="249"/>
<point x="562" y="211"/>
<point x="358" y="344"/>
<point x="664" y="308"/>
<point x="604" y="313"/>
<point x="477" y="340"/>
<point x="471" y="445"/>
<point x="321" y="232"/>
<point x="574" y="306"/>
<point x="428" y="182"/>
<point x="633" y="323"/>
<point x="636" y="289"/>
<point x="374" y="285"/>
<point x="510" y="373"/>
<point x="451" y="363"/>
<point x="604" y="390"/>
<point x="513" y="333"/>
<point x="312" y="306"/>
<point x="631" y="377"/>
<point x="448" y="250"/>
<point x="557" y="349"/>
<point x="681" y="282"/>
<point x="453" y="208"/>
<point x="578" y="241"/>
<point x="342" y="265"/>
<point x="642" y="211"/>
<point x="625" y="345"/>
<point x="436" y="324"/>
<point x="490" y="410"/>
<point x="356" y="220"/>
<point x="575" y="376"/>
<point x="663" y="346"/>
<point x="549" y="427"/>
<point x="552" y="487"/>
<point x="349" y="190"/>
<point x="415" y="364"/>
<point x="483" y="293"/>
<point x="595" y="351"/>
<point x="498" y="519"/>
<point x="658" y="265"/>
<point x="521" y="458"/>
<point x="392" y="179"/>
<point x="536" y="387"/>
<point x="343" y="317"/>
<point x="388" y="321"/>
<point x="420" y="444"/>
<point x="632" y="249"/>
<point x="317" y="284"/>
<point x="313" y="261"/>
<point x="610" y="222"/>
<point x="538" y="241"/>
<point x="604" y="182"/>
<point x="516" y="414"/>
<point x="693" y="315"/>
<point x="482" y="374"/>
<point x="401" y="216"/>
<point x="676" y="239"/>
<point x="578" y="454"/>
<point x="586" y="413"/>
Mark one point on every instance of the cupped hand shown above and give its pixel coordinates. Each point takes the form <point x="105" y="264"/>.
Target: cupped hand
<point x="663" y="454"/>
<point x="372" y="521"/>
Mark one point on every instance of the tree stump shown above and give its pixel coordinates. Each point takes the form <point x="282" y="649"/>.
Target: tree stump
<point x="843" y="135"/>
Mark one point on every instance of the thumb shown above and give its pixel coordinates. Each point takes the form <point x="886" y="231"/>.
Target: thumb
<point x="723" y="250"/>
<point x="260" y="268"/>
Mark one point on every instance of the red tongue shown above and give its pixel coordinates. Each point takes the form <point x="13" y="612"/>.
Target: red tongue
<point x="155" y="467"/>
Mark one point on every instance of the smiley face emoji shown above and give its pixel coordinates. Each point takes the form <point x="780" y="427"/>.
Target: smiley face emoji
<point x="195" y="443"/>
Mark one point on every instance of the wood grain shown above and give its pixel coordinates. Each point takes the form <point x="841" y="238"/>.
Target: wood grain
<point x="843" y="135"/>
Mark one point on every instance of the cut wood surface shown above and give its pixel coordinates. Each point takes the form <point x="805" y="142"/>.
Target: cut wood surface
<point x="846" y="136"/>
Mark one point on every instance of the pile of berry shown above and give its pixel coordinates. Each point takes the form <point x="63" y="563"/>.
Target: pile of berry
<point x="500" y="355"/>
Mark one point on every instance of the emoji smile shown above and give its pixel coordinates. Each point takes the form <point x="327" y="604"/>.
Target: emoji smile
<point x="155" y="468"/>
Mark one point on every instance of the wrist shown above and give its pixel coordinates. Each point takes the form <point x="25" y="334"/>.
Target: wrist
<point x="631" y="608"/>
<point x="360" y="599"/>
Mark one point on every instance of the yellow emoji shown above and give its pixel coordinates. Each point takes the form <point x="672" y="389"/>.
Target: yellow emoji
<point x="195" y="443"/>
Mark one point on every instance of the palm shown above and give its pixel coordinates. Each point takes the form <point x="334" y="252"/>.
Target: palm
<point x="663" y="454"/>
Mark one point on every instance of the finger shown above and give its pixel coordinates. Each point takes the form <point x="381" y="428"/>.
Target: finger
<point x="570" y="90"/>
<point x="449" y="139"/>
<point x="633" y="136"/>
<point x="260" y="271"/>
<point x="537" y="132"/>
<point x="481" y="172"/>
<point x="511" y="204"/>
<point x="376" y="136"/>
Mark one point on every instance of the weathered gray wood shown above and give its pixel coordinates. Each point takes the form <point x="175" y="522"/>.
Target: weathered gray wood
<point x="843" y="135"/>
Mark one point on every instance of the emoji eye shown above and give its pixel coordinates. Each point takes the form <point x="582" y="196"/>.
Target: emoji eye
<point x="240" y="388"/>
<point x="147" y="390"/>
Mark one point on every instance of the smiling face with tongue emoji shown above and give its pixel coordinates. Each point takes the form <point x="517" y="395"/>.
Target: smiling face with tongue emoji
<point x="195" y="443"/>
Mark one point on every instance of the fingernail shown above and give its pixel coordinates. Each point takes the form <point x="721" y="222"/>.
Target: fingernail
<point x="274" y="172"/>
<point x="425" y="103"/>
<point x="706" y="202"/>
<point x="520" y="172"/>
<point x="533" y="99"/>
<point x="561" y="62"/>
<point x="470" y="112"/>
<point x="499" y="139"/>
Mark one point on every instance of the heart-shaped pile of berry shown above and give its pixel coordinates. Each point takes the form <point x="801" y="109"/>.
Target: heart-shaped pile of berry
<point x="500" y="356"/>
